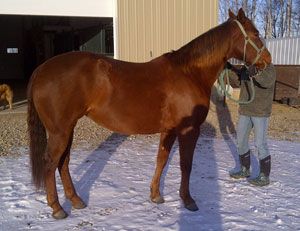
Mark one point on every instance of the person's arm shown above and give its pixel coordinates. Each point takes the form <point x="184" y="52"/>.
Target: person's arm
<point x="237" y="75"/>
<point x="266" y="77"/>
<point x="234" y="78"/>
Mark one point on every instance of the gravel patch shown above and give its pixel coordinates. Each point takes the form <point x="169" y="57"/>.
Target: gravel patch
<point x="221" y="122"/>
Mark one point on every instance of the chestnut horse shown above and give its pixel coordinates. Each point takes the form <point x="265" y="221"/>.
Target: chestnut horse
<point x="169" y="95"/>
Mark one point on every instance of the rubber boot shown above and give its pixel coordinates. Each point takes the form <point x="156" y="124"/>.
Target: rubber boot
<point x="245" y="167"/>
<point x="265" y="168"/>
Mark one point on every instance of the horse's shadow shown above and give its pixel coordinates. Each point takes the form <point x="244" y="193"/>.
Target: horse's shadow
<point x="204" y="187"/>
<point x="93" y="165"/>
<point x="227" y="127"/>
<point x="175" y="147"/>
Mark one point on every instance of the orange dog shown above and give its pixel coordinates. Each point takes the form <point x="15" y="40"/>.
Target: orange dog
<point x="6" y="95"/>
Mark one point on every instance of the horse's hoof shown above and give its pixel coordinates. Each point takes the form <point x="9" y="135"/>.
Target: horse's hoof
<point x="61" y="214"/>
<point x="192" y="207"/>
<point x="158" y="200"/>
<point x="80" y="205"/>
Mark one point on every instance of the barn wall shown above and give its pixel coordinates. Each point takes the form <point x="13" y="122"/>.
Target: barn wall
<point x="287" y="82"/>
<point x="149" y="28"/>
<point x="284" y="51"/>
<point x="88" y="8"/>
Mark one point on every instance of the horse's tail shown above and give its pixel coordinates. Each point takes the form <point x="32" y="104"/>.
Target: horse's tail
<point x="37" y="140"/>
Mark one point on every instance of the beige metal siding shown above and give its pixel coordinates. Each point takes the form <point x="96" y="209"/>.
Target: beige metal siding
<point x="149" y="28"/>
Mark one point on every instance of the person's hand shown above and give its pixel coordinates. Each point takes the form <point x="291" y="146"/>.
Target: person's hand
<point x="244" y="74"/>
<point x="252" y="70"/>
<point x="228" y="65"/>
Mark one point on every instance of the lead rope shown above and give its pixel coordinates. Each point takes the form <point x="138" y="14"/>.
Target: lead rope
<point x="223" y="90"/>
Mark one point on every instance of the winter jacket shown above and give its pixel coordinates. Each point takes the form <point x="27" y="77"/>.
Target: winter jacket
<point x="264" y="83"/>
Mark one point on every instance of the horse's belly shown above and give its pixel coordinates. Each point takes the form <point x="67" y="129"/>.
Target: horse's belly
<point x="125" y="123"/>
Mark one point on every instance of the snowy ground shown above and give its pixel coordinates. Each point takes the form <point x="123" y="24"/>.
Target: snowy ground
<point x="114" y="181"/>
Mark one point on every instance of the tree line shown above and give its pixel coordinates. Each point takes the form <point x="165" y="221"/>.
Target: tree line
<point x="273" y="18"/>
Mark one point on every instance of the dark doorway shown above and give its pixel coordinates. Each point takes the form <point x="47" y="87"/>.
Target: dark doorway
<point x="27" y="41"/>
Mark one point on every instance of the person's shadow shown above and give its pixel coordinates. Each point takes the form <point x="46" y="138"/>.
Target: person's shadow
<point x="92" y="166"/>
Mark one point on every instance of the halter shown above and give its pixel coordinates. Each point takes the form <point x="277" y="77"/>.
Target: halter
<point x="222" y="88"/>
<point x="247" y="39"/>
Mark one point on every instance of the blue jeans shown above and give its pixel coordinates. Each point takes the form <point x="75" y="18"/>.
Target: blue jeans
<point x="260" y="125"/>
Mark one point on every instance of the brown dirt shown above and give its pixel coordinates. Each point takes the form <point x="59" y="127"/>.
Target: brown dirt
<point x="220" y="123"/>
<point x="284" y="122"/>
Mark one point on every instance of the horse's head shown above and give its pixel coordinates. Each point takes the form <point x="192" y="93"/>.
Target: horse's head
<point x="248" y="46"/>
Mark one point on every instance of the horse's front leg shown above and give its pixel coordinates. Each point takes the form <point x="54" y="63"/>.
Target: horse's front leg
<point x="165" y="146"/>
<point x="187" y="143"/>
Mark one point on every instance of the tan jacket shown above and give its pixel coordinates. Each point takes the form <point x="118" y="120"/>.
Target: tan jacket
<point x="261" y="106"/>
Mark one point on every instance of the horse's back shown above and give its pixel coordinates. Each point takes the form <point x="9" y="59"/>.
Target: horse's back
<point x="122" y="96"/>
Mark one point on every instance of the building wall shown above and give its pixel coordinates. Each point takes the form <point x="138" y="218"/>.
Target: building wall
<point x="284" y="51"/>
<point x="149" y="28"/>
<point x="287" y="82"/>
<point x="88" y="8"/>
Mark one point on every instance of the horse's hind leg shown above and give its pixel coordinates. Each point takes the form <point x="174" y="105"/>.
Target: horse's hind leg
<point x="64" y="172"/>
<point x="56" y="146"/>
<point x="9" y="99"/>
<point x="165" y="146"/>
<point x="187" y="143"/>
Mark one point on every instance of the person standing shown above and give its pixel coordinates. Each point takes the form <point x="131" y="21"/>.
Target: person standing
<point x="254" y="115"/>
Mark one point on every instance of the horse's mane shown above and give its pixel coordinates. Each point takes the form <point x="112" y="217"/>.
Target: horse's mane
<point x="205" y="49"/>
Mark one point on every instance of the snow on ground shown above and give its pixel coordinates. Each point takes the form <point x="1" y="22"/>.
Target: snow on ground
<point x="114" y="181"/>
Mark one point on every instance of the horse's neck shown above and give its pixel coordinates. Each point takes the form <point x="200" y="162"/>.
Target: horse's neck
<point x="206" y="55"/>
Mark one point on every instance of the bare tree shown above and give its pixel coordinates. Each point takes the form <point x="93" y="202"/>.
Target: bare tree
<point x="236" y="5"/>
<point x="269" y="20"/>
<point x="274" y="18"/>
<point x="224" y="5"/>
<point x="297" y="18"/>
<point x="288" y="18"/>
<point x="223" y="9"/>
<point x="245" y="6"/>
<point x="253" y="11"/>
<point x="281" y="18"/>
<point x="277" y="18"/>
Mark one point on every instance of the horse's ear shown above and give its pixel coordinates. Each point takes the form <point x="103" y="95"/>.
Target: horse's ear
<point x="231" y="15"/>
<point x="241" y="16"/>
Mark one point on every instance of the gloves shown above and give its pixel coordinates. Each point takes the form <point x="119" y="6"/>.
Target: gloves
<point x="233" y="68"/>
<point x="252" y="70"/>
<point x="244" y="74"/>
<point x="228" y="65"/>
